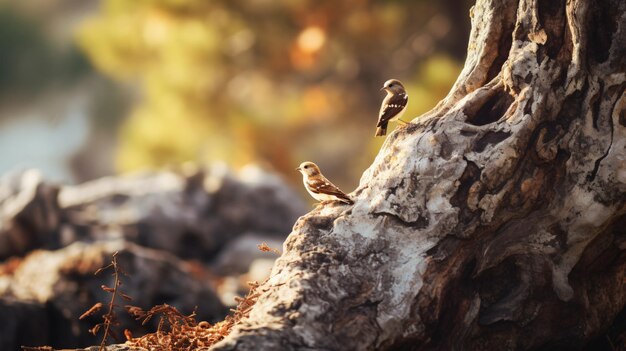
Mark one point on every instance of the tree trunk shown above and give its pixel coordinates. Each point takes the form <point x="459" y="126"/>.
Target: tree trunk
<point x="494" y="222"/>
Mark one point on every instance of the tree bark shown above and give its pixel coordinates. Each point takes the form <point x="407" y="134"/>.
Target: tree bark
<point x="494" y="222"/>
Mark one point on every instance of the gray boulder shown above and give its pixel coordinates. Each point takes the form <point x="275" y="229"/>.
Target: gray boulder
<point x="63" y="283"/>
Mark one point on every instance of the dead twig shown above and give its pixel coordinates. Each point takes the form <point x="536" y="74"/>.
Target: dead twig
<point x="265" y="248"/>
<point x="109" y="319"/>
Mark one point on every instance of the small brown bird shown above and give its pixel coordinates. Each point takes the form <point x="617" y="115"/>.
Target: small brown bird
<point x="393" y="105"/>
<point x="318" y="186"/>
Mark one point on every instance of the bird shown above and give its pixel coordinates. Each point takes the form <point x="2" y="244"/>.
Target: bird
<point x="393" y="105"/>
<point x="320" y="188"/>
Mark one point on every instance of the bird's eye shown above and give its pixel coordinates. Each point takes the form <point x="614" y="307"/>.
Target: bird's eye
<point x="390" y="85"/>
<point x="305" y="167"/>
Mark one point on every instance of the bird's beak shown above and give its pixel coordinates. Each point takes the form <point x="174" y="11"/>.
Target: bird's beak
<point x="383" y="88"/>
<point x="297" y="168"/>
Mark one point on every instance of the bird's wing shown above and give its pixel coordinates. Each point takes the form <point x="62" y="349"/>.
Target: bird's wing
<point x="323" y="186"/>
<point x="392" y="105"/>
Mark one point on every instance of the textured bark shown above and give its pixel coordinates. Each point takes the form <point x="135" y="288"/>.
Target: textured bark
<point x="494" y="222"/>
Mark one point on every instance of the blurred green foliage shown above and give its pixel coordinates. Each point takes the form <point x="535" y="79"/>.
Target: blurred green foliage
<point x="29" y="61"/>
<point x="270" y="81"/>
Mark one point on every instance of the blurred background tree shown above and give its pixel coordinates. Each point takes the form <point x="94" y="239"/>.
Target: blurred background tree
<point x="56" y="113"/>
<point x="95" y="87"/>
<point x="276" y="82"/>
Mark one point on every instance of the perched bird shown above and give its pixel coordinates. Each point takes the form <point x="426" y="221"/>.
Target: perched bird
<point x="393" y="105"/>
<point x="318" y="186"/>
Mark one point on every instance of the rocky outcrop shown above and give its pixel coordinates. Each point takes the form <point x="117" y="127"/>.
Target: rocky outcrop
<point x="29" y="213"/>
<point x="60" y="286"/>
<point x="173" y="231"/>
<point x="23" y="323"/>
<point x="192" y="214"/>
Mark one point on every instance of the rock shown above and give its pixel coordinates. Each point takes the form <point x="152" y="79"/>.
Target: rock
<point x="191" y="215"/>
<point x="29" y="213"/>
<point x="233" y="286"/>
<point x="260" y="269"/>
<point x="23" y="324"/>
<point x="64" y="282"/>
<point x="237" y="256"/>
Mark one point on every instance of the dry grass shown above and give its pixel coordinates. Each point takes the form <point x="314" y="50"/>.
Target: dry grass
<point x="182" y="333"/>
<point x="178" y="332"/>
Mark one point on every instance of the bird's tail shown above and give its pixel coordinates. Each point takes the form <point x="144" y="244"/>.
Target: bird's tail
<point x="382" y="130"/>
<point x="345" y="199"/>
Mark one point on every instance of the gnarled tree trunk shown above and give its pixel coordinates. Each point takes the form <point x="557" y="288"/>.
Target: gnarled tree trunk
<point x="494" y="222"/>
